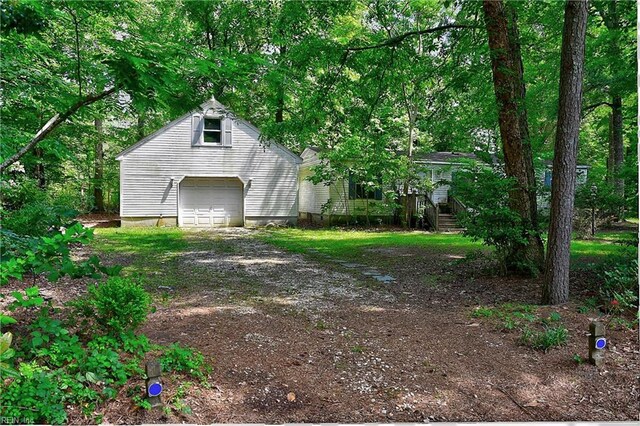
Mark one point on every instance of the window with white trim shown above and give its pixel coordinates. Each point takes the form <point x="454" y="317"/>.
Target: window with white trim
<point x="212" y="131"/>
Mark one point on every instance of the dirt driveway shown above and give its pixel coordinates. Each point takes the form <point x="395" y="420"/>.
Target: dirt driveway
<point x="298" y="338"/>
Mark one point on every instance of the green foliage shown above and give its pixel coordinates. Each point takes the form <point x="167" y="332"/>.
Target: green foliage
<point x="597" y="203"/>
<point x="117" y="306"/>
<point x="548" y="338"/>
<point x="184" y="360"/>
<point x="34" y="397"/>
<point x="357" y="349"/>
<point x="578" y="359"/>
<point x="482" y="312"/>
<point x="620" y="286"/>
<point x="37" y="218"/>
<point x="177" y="402"/>
<point x="6" y="354"/>
<point x="489" y="218"/>
<point x="588" y="305"/>
<point x="50" y="254"/>
<point x="513" y="316"/>
<point x="59" y="367"/>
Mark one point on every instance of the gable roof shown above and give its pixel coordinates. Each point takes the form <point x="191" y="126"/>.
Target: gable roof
<point x="211" y="104"/>
<point x="446" y="157"/>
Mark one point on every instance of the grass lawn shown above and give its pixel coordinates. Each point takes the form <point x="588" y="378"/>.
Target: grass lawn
<point x="141" y="241"/>
<point x="350" y="244"/>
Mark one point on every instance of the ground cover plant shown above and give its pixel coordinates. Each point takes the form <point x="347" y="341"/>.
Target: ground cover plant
<point x="68" y="360"/>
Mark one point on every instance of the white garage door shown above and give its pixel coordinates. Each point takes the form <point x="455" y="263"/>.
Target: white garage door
<point x="210" y="202"/>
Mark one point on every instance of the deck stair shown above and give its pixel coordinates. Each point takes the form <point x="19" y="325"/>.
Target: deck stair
<point x="446" y="220"/>
<point x="448" y="223"/>
<point x="441" y="217"/>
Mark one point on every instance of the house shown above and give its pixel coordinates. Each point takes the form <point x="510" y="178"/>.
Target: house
<point x="339" y="199"/>
<point x="342" y="198"/>
<point x="345" y="197"/>
<point x="208" y="168"/>
<point x="544" y="175"/>
<point x="440" y="168"/>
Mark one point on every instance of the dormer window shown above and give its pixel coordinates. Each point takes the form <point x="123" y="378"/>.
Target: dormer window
<point x="212" y="131"/>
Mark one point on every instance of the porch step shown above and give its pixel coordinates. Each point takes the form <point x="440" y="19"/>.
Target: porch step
<point x="448" y="223"/>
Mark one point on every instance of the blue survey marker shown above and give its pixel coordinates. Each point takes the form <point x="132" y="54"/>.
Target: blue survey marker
<point x="155" y="389"/>
<point x="601" y="342"/>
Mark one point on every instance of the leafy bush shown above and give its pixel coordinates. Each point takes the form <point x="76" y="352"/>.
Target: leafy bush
<point x="49" y="254"/>
<point x="490" y="219"/>
<point x="34" y="397"/>
<point x="183" y="359"/>
<point x="602" y="198"/>
<point x="60" y="368"/>
<point x="620" y="286"/>
<point x="37" y="219"/>
<point x="118" y="306"/>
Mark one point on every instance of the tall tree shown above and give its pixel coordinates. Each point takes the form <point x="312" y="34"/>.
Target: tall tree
<point x="509" y="86"/>
<point x="98" y="169"/>
<point x="556" y="278"/>
<point x="610" y="13"/>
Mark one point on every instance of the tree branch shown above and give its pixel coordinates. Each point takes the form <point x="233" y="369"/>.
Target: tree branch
<point x="52" y="124"/>
<point x="588" y="109"/>
<point x="394" y="41"/>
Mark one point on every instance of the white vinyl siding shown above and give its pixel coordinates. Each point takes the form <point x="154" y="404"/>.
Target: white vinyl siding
<point x="441" y="192"/>
<point x="314" y="197"/>
<point x="150" y="173"/>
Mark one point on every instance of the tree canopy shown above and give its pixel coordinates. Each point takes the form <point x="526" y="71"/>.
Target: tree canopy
<point x="371" y="82"/>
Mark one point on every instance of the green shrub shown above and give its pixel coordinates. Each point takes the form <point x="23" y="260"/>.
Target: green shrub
<point x="543" y="340"/>
<point x="620" y="285"/>
<point x="50" y="254"/>
<point x="37" y="218"/>
<point x="34" y="397"/>
<point x="119" y="306"/>
<point x="184" y="359"/>
<point x="490" y="219"/>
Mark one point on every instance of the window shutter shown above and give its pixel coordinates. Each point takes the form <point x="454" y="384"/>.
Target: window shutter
<point x="227" y="132"/>
<point x="197" y="124"/>
<point x="352" y="187"/>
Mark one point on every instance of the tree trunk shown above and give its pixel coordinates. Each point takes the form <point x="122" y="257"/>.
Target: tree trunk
<point x="98" y="174"/>
<point x="618" y="146"/>
<point x="556" y="278"/>
<point x="611" y="157"/>
<point x="140" y="126"/>
<point x="39" y="170"/>
<point x="405" y="189"/>
<point x="280" y="90"/>
<point x="508" y="80"/>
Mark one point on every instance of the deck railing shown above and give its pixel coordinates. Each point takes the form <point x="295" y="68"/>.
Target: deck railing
<point x="456" y="205"/>
<point x="431" y="213"/>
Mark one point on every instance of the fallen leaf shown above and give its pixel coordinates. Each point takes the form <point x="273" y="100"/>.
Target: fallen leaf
<point x="291" y="396"/>
<point x="475" y="324"/>
<point x="533" y="403"/>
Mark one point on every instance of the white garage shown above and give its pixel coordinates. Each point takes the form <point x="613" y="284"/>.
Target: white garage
<point x="210" y="202"/>
<point x="208" y="168"/>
